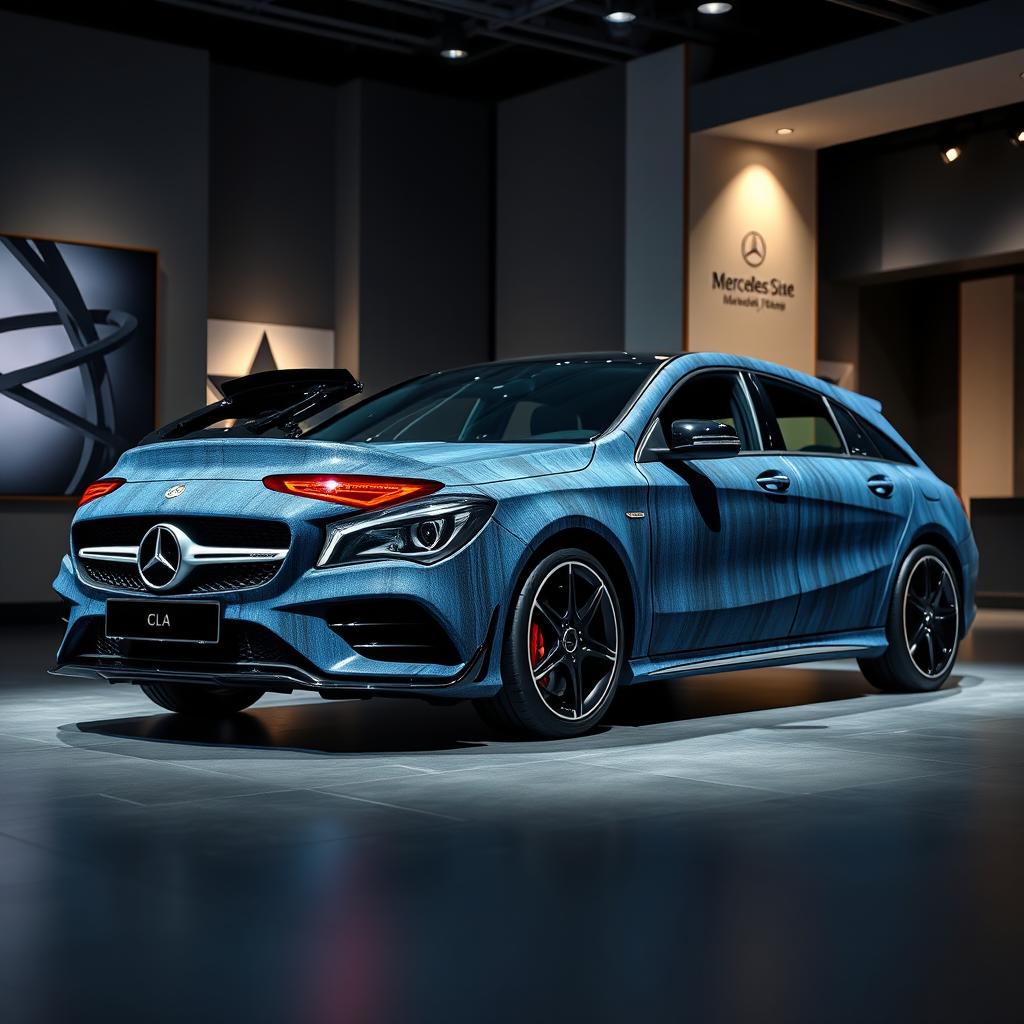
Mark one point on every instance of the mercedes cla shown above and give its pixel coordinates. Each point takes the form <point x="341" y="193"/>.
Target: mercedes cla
<point x="530" y="535"/>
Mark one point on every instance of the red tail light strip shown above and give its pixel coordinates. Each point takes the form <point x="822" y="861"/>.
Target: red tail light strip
<point x="353" y="491"/>
<point x="98" y="489"/>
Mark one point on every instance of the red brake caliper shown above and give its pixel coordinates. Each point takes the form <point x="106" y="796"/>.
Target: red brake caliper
<point x="537" y="649"/>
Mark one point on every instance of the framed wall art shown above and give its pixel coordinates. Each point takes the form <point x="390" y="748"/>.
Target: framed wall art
<point x="77" y="361"/>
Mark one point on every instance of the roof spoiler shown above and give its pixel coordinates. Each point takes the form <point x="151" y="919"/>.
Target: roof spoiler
<point x="275" y="400"/>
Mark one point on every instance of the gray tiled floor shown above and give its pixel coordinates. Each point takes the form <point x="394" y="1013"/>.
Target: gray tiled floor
<point x="782" y="845"/>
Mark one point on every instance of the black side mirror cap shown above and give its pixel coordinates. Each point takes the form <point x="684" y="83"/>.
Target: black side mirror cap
<point x="702" y="439"/>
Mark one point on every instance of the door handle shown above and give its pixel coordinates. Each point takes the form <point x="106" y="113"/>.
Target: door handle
<point x="774" y="481"/>
<point x="880" y="486"/>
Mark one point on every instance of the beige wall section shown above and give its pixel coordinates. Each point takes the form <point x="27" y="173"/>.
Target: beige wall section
<point x="736" y="302"/>
<point x="986" y="388"/>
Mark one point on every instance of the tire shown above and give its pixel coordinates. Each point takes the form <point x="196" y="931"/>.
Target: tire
<point x="922" y="626"/>
<point x="201" y="701"/>
<point x="567" y="615"/>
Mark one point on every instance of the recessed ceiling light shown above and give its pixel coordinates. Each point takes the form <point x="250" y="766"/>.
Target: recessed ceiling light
<point x="783" y="131"/>
<point x="620" y="17"/>
<point x="951" y="154"/>
<point x="454" y="53"/>
<point x="1017" y="138"/>
<point x="717" y="8"/>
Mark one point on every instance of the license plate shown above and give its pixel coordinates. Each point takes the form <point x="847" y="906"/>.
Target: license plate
<point x="196" y="622"/>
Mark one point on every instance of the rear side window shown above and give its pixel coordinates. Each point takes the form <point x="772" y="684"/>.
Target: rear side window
<point x="803" y="419"/>
<point x="857" y="439"/>
<point x="887" y="447"/>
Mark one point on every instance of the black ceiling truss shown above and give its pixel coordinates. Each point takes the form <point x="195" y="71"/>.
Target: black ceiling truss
<point x="573" y="28"/>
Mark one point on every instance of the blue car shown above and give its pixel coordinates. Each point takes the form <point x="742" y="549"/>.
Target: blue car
<point x="530" y="534"/>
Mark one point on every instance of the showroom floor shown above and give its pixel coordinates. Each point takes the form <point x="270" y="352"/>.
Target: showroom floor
<point x="782" y="845"/>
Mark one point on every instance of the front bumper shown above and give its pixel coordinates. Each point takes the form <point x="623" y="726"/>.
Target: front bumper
<point x="283" y="637"/>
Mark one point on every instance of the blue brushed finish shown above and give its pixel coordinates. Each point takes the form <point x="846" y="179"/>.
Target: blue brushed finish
<point x="714" y="567"/>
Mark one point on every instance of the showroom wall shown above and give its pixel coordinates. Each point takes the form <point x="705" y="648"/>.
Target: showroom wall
<point x="903" y="210"/>
<point x="654" y="206"/>
<point x="561" y="217"/>
<point x="752" y="258"/>
<point x="105" y="141"/>
<point x="987" y="388"/>
<point x="908" y="358"/>
<point x="423" y="232"/>
<point x="271" y="193"/>
<point x="590" y="234"/>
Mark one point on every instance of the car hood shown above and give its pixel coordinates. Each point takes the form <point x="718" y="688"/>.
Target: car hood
<point x="253" y="459"/>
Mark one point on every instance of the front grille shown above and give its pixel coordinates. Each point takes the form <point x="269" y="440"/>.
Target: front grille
<point x="392" y="629"/>
<point x="214" y="531"/>
<point x="241" y="643"/>
<point x="112" y="574"/>
<point x="214" y="579"/>
<point x="211" y="531"/>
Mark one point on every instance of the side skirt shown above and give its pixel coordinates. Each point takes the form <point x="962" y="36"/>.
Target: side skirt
<point x="867" y="643"/>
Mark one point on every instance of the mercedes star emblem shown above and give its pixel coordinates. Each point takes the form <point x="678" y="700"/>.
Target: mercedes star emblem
<point x="159" y="558"/>
<point x="754" y="248"/>
<point x="173" y="492"/>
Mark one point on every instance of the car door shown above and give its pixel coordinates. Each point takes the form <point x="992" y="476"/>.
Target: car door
<point x="724" y="531"/>
<point x="853" y="510"/>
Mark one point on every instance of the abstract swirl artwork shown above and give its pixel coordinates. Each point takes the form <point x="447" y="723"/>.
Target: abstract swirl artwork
<point x="77" y="361"/>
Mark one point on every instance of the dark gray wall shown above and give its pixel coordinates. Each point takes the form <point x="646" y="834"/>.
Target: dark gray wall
<point x="105" y="141"/>
<point x="561" y="218"/>
<point x="1018" y="388"/>
<point x="905" y="212"/>
<point x="909" y="360"/>
<point x="424" y="224"/>
<point x="271" y="193"/>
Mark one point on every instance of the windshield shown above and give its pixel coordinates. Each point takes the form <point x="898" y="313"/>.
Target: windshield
<point x="572" y="399"/>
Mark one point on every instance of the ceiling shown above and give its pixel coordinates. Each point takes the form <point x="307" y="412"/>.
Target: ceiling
<point x="513" y="45"/>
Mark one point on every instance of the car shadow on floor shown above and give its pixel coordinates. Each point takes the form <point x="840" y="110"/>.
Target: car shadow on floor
<point x="658" y="713"/>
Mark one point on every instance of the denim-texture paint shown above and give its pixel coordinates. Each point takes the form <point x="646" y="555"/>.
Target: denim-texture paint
<point x="716" y="566"/>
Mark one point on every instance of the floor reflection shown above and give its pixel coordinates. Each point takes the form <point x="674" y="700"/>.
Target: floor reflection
<point x="783" y="845"/>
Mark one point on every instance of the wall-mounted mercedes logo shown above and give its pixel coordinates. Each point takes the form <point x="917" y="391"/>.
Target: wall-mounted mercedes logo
<point x="175" y="491"/>
<point x="753" y="248"/>
<point x="159" y="558"/>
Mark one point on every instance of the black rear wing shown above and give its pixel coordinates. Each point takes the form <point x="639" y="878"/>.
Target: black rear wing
<point x="277" y="401"/>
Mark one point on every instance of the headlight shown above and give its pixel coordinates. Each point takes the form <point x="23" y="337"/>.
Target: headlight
<point x="425" y="532"/>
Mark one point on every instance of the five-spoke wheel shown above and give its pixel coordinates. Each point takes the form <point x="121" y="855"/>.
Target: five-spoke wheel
<point x="564" y="649"/>
<point x="922" y="627"/>
<point x="574" y="639"/>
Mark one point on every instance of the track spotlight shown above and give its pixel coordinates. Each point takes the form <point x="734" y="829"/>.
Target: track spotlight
<point x="453" y="43"/>
<point x="950" y="154"/>
<point x="1017" y="138"/>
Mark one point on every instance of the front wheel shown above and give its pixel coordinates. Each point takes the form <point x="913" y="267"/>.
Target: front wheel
<point x="922" y="627"/>
<point x="201" y="701"/>
<point x="563" y="652"/>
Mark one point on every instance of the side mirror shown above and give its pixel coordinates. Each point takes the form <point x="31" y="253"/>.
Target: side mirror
<point x="703" y="439"/>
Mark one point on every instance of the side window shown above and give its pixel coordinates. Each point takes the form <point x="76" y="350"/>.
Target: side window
<point x="857" y="438"/>
<point x="803" y="418"/>
<point x="713" y="396"/>
<point x="886" y="446"/>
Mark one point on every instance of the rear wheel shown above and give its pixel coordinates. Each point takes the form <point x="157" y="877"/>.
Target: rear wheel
<point x="564" y="650"/>
<point x="923" y="626"/>
<point x="201" y="701"/>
